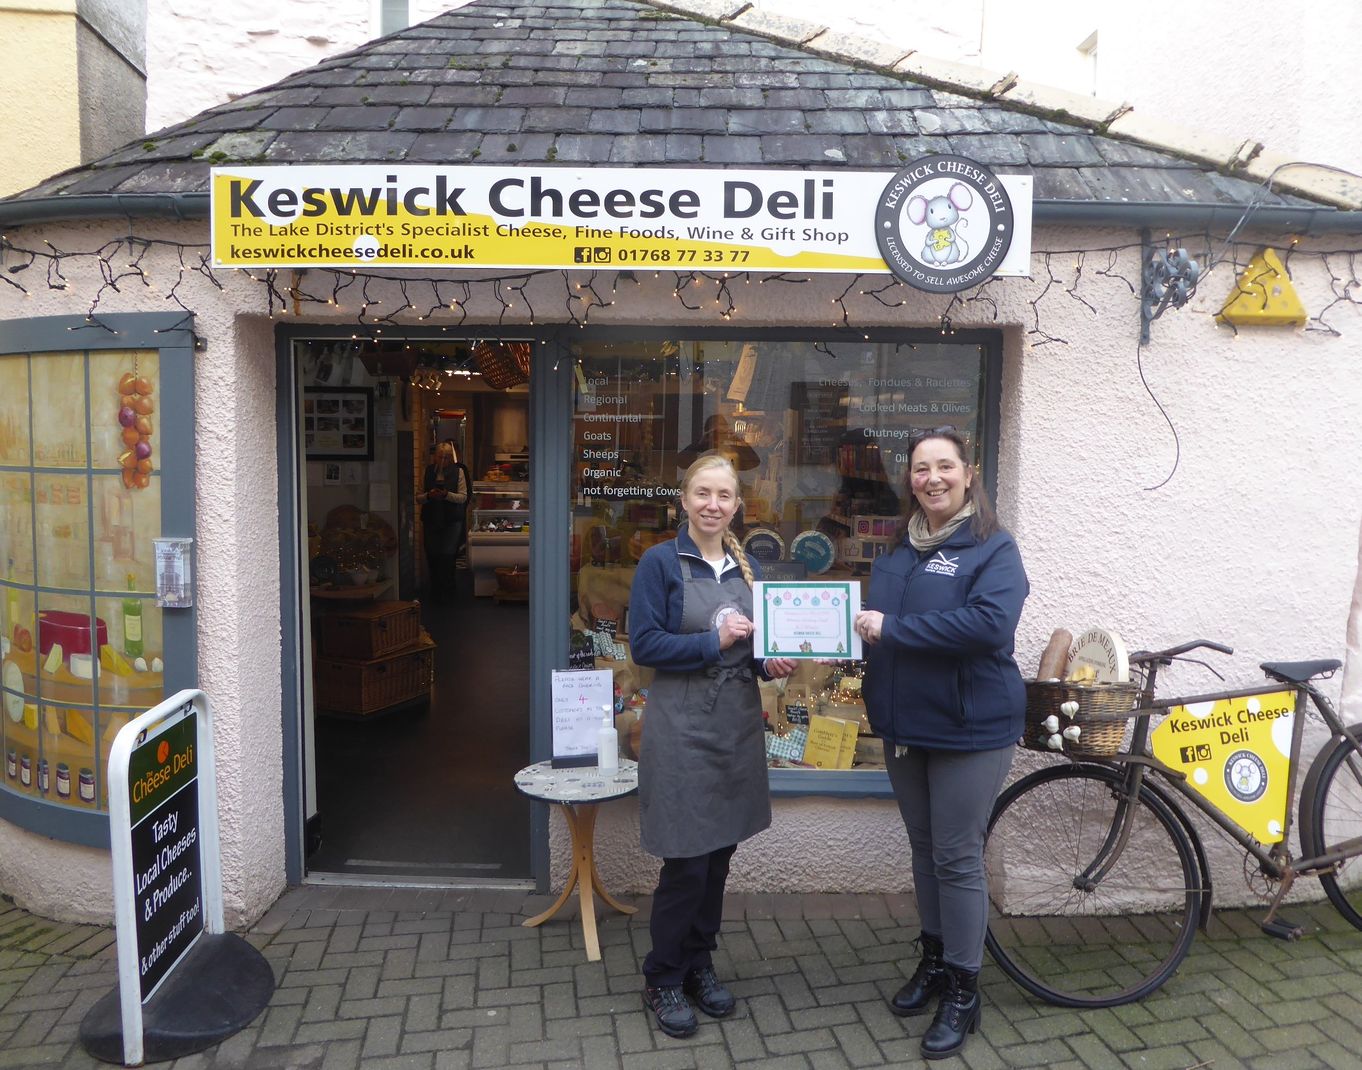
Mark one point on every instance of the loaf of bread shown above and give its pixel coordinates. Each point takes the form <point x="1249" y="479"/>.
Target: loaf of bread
<point x="1055" y="656"/>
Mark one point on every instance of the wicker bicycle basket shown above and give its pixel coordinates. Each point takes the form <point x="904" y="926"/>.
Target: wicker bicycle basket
<point x="503" y="364"/>
<point x="1103" y="716"/>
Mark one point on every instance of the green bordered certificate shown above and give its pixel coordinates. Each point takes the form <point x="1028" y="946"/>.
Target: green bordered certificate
<point x="806" y="619"/>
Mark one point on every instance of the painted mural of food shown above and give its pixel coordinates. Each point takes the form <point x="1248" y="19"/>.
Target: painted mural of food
<point x="134" y="418"/>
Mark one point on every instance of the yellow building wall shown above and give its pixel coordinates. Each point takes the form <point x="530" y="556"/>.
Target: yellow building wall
<point x="39" y="92"/>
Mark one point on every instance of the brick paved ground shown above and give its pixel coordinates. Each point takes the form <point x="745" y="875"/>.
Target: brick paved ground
<point x="418" y="980"/>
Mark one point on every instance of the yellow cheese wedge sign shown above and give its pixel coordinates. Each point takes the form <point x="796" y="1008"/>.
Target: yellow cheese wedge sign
<point x="1235" y="753"/>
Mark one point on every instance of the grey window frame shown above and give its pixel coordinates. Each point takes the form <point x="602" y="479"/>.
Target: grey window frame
<point x="171" y="336"/>
<point x="551" y="558"/>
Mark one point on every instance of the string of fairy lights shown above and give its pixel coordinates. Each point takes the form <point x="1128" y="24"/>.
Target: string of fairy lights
<point x="388" y="304"/>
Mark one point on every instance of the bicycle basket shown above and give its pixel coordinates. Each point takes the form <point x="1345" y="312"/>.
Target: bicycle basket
<point x="1103" y="716"/>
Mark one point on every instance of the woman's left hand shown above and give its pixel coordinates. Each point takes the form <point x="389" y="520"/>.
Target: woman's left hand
<point x="869" y="624"/>
<point x="779" y="668"/>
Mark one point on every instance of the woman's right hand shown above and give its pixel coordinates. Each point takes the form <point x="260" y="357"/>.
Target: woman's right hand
<point x="732" y="627"/>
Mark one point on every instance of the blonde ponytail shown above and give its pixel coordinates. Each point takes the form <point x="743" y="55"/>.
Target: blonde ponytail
<point x="734" y="547"/>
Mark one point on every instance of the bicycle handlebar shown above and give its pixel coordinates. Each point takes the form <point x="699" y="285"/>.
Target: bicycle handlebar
<point x="1141" y="656"/>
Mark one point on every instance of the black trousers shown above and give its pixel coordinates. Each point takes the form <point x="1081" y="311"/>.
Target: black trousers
<point x="688" y="908"/>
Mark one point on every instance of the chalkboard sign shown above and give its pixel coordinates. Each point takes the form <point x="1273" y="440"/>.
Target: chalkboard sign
<point x="163" y="802"/>
<point x="184" y="982"/>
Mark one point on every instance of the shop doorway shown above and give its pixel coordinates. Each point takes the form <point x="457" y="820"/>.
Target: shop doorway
<point x="414" y="488"/>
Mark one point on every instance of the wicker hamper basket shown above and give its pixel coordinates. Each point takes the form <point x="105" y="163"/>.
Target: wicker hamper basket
<point x="369" y="686"/>
<point x="503" y="364"/>
<point x="1103" y="716"/>
<point x="371" y="631"/>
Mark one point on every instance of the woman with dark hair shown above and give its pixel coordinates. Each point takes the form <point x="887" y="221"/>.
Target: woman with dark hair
<point x="944" y="693"/>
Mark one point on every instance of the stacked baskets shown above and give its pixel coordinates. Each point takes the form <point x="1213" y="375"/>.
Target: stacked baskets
<point x="1102" y="715"/>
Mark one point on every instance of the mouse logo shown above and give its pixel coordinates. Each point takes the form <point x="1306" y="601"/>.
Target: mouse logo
<point x="942" y="216"/>
<point x="944" y="223"/>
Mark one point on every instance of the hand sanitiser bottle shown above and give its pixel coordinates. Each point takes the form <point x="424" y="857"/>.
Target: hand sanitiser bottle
<point x="608" y="744"/>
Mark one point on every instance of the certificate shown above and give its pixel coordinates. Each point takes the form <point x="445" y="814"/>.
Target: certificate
<point x="806" y="620"/>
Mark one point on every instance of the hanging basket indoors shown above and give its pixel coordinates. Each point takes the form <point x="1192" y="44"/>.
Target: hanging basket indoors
<point x="503" y="364"/>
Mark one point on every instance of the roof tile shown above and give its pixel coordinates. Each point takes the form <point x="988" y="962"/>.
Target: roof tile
<point x="444" y="147"/>
<point x="515" y="148"/>
<point x="731" y="150"/>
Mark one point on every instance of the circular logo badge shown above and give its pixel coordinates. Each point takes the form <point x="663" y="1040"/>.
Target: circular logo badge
<point x="944" y="223"/>
<point x="1245" y="775"/>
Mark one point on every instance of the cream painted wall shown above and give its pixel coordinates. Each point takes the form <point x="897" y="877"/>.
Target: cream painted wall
<point x="200" y="54"/>
<point x="1253" y="541"/>
<point x="40" y="130"/>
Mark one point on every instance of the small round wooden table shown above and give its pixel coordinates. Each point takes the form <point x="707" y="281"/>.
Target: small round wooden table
<point x="578" y="791"/>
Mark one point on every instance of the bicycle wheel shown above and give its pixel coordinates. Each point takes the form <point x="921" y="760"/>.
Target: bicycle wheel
<point x="1335" y="816"/>
<point x="1099" y="945"/>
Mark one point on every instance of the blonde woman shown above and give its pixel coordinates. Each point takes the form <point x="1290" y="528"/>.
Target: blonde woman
<point x="702" y="771"/>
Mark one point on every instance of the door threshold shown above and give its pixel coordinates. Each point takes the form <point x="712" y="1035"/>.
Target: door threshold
<point x="406" y="880"/>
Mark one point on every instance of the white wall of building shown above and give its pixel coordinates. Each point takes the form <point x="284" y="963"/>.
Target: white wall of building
<point x="1289" y="79"/>
<point x="1253" y="541"/>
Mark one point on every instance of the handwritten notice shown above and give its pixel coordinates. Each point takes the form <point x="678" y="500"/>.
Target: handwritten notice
<point x="581" y="698"/>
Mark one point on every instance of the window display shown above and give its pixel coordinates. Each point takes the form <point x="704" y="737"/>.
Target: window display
<point x="81" y="639"/>
<point x="820" y="440"/>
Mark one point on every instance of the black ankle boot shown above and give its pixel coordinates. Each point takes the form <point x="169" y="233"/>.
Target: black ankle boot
<point x="928" y="980"/>
<point x="956" y="1017"/>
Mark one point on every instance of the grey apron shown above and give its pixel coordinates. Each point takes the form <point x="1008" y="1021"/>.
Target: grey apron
<point x="702" y="770"/>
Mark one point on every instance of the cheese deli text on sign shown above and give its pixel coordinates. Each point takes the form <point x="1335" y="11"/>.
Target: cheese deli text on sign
<point x="408" y="216"/>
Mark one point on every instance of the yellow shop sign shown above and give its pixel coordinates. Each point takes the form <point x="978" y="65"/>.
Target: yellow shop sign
<point x="560" y="218"/>
<point x="1235" y="753"/>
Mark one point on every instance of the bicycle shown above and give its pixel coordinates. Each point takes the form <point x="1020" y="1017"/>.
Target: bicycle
<point x="1098" y="880"/>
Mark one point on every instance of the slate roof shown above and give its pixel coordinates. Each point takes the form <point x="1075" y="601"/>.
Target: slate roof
<point x="631" y="83"/>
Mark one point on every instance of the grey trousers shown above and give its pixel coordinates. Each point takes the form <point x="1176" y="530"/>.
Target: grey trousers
<point x="945" y="798"/>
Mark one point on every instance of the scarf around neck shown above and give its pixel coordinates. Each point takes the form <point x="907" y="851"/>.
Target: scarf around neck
<point x="922" y="539"/>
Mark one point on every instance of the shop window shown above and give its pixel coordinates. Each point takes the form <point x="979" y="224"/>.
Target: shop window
<point x="820" y="438"/>
<point x="83" y="643"/>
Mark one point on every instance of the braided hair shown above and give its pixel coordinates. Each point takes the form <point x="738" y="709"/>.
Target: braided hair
<point x="730" y="540"/>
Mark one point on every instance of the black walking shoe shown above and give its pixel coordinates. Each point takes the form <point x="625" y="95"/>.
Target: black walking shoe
<point x="709" y="993"/>
<point x="928" y="980"/>
<point x="670" y="1008"/>
<point x="956" y="1017"/>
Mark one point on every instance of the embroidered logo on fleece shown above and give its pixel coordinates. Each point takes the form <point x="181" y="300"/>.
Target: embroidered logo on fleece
<point x="943" y="565"/>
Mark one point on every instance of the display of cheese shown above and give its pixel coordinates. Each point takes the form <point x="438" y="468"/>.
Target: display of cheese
<point x="80" y="725"/>
<point x="51" y="721"/>
<point x="112" y="661"/>
<point x="157" y="665"/>
<point x="30" y="716"/>
<point x="140" y="664"/>
<point x="112" y="729"/>
<point x="13" y="678"/>
<point x="83" y="666"/>
<point x="54" y="659"/>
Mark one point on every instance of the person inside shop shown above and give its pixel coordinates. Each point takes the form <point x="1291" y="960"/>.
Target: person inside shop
<point x="719" y="437"/>
<point x="443" y="500"/>
<point x="943" y="691"/>
<point x="702" y="766"/>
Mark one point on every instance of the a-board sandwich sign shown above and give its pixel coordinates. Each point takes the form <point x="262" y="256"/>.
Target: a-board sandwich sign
<point x="163" y="806"/>
<point x="183" y="983"/>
